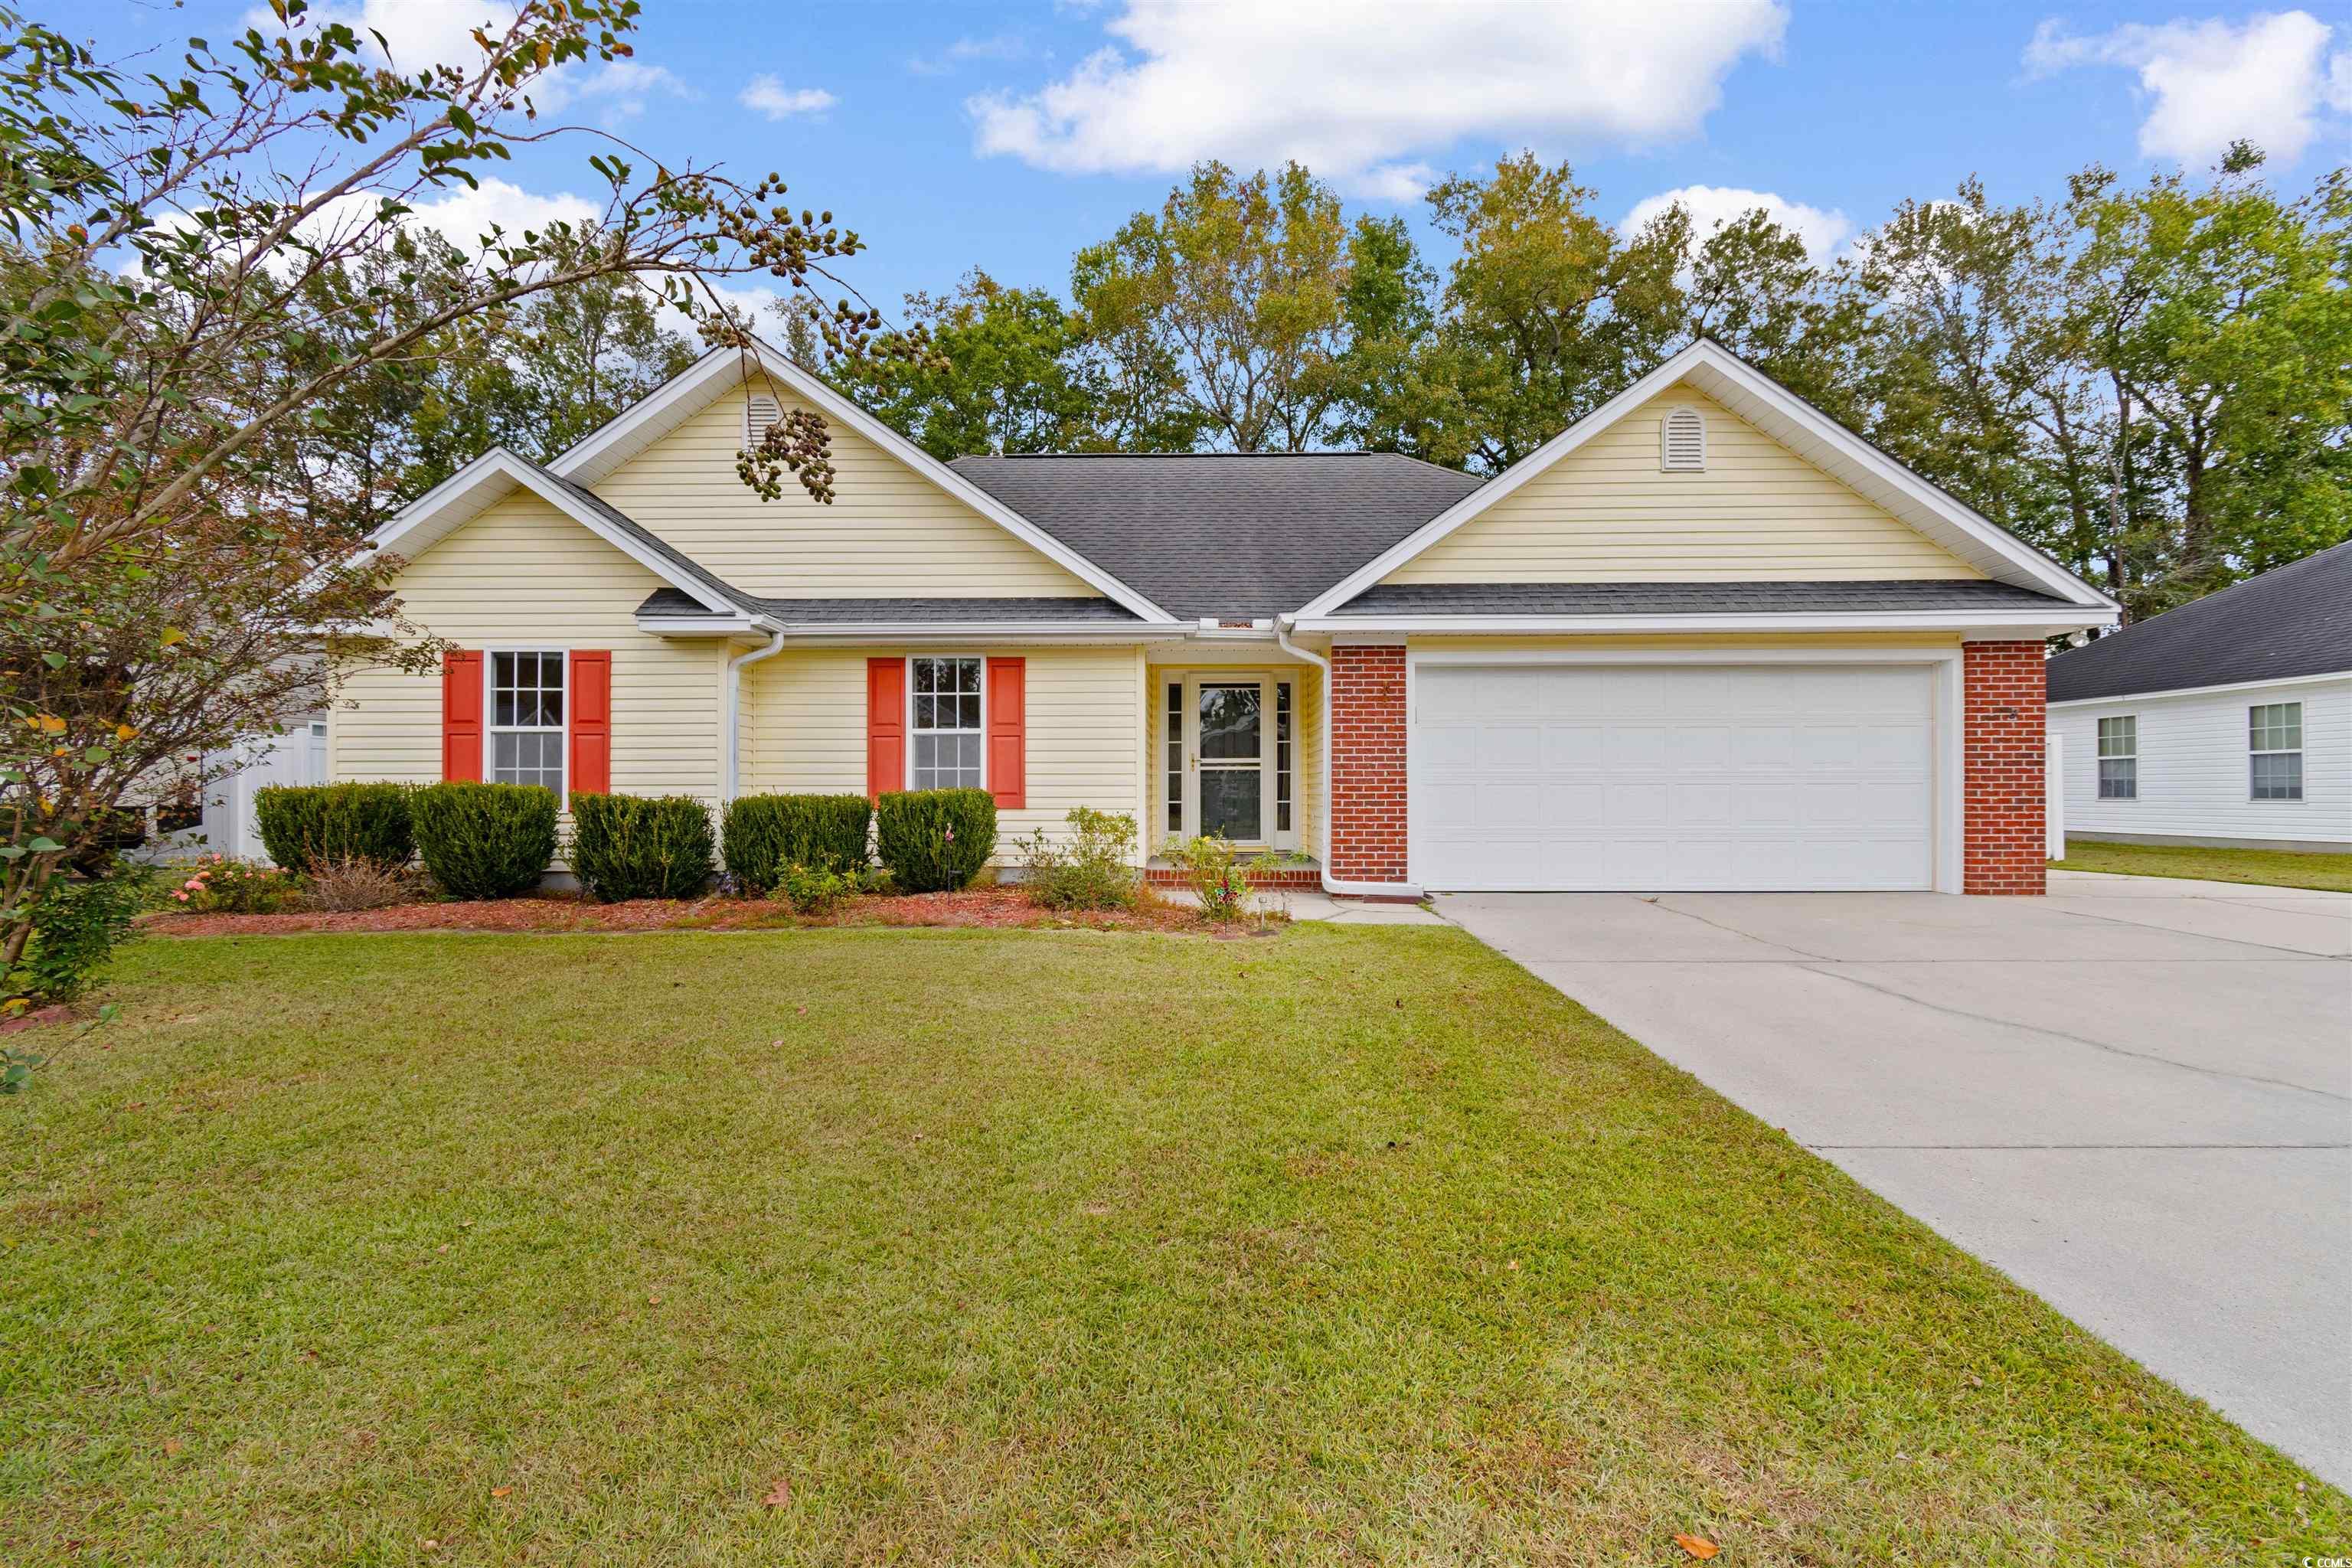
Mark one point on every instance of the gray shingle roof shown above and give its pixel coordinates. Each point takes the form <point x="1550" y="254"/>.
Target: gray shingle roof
<point x="1223" y="534"/>
<point x="687" y="565"/>
<point x="2295" y="620"/>
<point x="847" y="612"/>
<point x="1686" y="598"/>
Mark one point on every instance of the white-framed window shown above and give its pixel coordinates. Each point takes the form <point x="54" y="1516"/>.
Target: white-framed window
<point x="1682" y="441"/>
<point x="527" y="718"/>
<point x="1175" y="756"/>
<point x="2119" y="758"/>
<point x="947" y="724"/>
<point x="2275" y="751"/>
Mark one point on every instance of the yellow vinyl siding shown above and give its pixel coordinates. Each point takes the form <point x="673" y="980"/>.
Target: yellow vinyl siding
<point x="889" y="532"/>
<point x="1306" y="759"/>
<point x="806" y="715"/>
<point x="523" y="574"/>
<point x="1606" y="513"/>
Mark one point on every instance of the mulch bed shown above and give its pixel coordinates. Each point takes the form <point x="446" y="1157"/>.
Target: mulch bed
<point x="996" y="907"/>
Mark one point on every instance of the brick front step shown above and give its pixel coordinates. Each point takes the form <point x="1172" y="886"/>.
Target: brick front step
<point x="1306" y="877"/>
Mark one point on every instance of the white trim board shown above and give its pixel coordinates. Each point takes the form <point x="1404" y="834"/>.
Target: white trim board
<point x="639" y="425"/>
<point x="2164" y="693"/>
<point x="1796" y="424"/>
<point x="1977" y="625"/>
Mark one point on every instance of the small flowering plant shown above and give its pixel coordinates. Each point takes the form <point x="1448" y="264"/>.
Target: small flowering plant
<point x="218" y="884"/>
<point x="1219" y="878"/>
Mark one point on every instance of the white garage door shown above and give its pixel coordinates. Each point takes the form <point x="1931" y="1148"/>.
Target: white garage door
<point x="1675" y="777"/>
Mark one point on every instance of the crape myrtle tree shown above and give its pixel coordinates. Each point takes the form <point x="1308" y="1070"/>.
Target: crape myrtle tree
<point x="193" y="261"/>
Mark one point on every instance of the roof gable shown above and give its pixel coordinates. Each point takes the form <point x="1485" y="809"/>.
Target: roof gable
<point x="499" y="473"/>
<point x="1752" y="511"/>
<point x="1792" y="424"/>
<point x="897" y="508"/>
<point x="2295" y="620"/>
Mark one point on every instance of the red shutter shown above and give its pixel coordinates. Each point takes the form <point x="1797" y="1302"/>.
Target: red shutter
<point x="1008" y="732"/>
<point x="885" y="726"/>
<point x="461" y="715"/>
<point x="590" y="700"/>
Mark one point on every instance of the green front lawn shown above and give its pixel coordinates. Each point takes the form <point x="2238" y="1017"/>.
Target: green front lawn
<point x="2274" y="868"/>
<point x="1349" y="1245"/>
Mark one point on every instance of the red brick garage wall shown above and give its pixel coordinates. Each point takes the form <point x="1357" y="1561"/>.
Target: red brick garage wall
<point x="2001" y="766"/>
<point x="1367" y="740"/>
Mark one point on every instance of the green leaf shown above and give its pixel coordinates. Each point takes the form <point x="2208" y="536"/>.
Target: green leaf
<point x="45" y="846"/>
<point x="54" y="660"/>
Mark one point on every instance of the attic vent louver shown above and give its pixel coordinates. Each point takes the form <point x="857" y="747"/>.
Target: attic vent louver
<point x="759" y="412"/>
<point x="1682" y="441"/>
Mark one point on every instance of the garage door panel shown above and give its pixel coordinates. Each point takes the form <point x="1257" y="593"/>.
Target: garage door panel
<point x="1764" y="777"/>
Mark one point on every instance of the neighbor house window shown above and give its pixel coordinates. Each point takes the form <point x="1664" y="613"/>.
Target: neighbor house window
<point x="2119" y="758"/>
<point x="527" y="718"/>
<point x="2274" y="740"/>
<point x="1282" y="723"/>
<point x="1175" y="756"/>
<point x="949" y="740"/>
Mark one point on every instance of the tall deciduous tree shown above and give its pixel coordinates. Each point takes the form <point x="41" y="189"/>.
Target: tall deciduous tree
<point x="1546" y="312"/>
<point x="1006" y="370"/>
<point x="168" y="320"/>
<point x="2154" y="384"/>
<point x="1230" y="304"/>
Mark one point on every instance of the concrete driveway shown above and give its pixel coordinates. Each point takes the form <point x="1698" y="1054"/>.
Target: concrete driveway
<point x="2134" y="1096"/>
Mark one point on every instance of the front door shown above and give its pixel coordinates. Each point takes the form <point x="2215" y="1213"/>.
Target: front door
<point x="1231" y="720"/>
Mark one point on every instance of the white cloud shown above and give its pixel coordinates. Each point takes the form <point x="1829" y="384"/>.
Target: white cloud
<point x="412" y="36"/>
<point x="2268" y="80"/>
<point x="1712" y="207"/>
<point x="416" y="33"/>
<point x="1355" y="91"/>
<point x="624" y="87"/>
<point x="462" y="216"/>
<point x="768" y="95"/>
<point x="1001" y="47"/>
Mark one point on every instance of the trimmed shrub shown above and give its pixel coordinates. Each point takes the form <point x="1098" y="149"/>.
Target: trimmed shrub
<point x="815" y="890"/>
<point x="305" y="826"/>
<point x="77" y="922"/>
<point x="935" y="840"/>
<point x="484" y="840"/>
<point x="766" y="833"/>
<point x="640" y="846"/>
<point x="1094" y="869"/>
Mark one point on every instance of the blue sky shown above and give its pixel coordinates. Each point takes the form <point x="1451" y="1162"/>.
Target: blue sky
<point x="1004" y="137"/>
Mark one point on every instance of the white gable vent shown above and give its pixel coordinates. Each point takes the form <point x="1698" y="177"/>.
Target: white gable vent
<point x="1682" y="441"/>
<point x="760" y="413"/>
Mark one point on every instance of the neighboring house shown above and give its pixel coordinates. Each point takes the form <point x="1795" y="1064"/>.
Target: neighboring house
<point x="1705" y="638"/>
<point x="219" y="818"/>
<point x="2228" y="720"/>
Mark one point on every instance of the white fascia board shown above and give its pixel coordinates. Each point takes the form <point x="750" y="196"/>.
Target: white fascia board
<point x="1974" y="624"/>
<point x="2322" y="679"/>
<point x="966" y="631"/>
<point x="1707" y="357"/>
<point x="594" y="457"/>
<point x="441" y="509"/>
<point x="703" y="626"/>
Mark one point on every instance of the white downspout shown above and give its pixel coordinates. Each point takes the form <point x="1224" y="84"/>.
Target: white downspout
<point x="1332" y="884"/>
<point x="730" y="780"/>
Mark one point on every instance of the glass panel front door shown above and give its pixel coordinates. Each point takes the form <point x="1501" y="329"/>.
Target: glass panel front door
<point x="1229" y="754"/>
